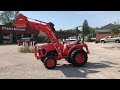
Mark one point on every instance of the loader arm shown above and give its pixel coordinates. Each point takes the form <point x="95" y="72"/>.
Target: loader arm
<point x="23" y="22"/>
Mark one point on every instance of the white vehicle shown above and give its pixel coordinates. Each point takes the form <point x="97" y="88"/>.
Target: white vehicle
<point x="110" y="39"/>
<point x="72" y="38"/>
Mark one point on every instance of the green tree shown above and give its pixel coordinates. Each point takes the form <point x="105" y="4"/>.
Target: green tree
<point x="115" y="30"/>
<point x="85" y="29"/>
<point x="89" y="38"/>
<point x="41" y="39"/>
<point x="72" y="31"/>
<point x="92" y="32"/>
<point x="60" y="30"/>
<point x="6" y="17"/>
<point x="1" y="36"/>
<point x="35" y="37"/>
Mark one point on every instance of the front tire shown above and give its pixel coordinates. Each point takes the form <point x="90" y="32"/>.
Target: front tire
<point x="79" y="57"/>
<point x="42" y="59"/>
<point x="68" y="60"/>
<point x="103" y="41"/>
<point x="18" y="44"/>
<point x="50" y="62"/>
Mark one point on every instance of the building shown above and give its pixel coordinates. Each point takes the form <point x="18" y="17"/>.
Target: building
<point x="9" y="31"/>
<point x="105" y="31"/>
<point x="102" y="33"/>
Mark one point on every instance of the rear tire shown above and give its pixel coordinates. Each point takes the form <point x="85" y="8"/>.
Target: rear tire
<point x="50" y="62"/>
<point x="79" y="57"/>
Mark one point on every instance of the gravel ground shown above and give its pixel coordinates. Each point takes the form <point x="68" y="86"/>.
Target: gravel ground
<point x="103" y="63"/>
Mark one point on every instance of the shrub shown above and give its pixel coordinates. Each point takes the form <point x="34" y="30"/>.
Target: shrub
<point x="89" y="38"/>
<point x="26" y="49"/>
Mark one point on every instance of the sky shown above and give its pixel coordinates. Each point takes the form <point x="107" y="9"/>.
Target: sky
<point x="70" y="19"/>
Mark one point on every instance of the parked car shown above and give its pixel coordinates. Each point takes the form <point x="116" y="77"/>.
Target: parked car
<point x="72" y="38"/>
<point x="110" y="39"/>
<point x="28" y="40"/>
<point x="97" y="40"/>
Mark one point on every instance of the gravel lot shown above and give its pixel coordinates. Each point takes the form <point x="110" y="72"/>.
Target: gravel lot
<point x="103" y="63"/>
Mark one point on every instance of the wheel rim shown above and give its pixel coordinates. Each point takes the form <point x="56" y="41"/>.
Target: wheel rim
<point x="50" y="63"/>
<point x="79" y="58"/>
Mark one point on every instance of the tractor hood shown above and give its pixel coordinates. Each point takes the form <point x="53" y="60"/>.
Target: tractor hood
<point x="41" y="50"/>
<point x="46" y="46"/>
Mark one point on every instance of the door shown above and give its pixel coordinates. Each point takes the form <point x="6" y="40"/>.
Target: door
<point x="108" y="39"/>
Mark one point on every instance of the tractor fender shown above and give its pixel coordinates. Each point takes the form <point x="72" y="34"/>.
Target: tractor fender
<point x="74" y="47"/>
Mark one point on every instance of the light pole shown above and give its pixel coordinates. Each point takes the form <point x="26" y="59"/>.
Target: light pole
<point x="77" y="31"/>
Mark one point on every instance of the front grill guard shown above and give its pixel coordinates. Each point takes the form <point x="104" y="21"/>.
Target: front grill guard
<point x="36" y="53"/>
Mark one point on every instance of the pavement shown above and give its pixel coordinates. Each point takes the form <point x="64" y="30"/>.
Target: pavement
<point x="103" y="63"/>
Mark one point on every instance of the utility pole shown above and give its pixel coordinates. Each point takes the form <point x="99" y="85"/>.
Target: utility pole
<point x="92" y="32"/>
<point x="77" y="31"/>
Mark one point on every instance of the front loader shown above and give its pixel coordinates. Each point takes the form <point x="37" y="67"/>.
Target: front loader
<point x="55" y="50"/>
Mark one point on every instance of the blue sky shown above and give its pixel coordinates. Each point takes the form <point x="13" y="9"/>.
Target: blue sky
<point x="71" y="19"/>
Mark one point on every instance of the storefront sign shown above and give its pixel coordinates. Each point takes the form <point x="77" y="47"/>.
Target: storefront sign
<point x="13" y="28"/>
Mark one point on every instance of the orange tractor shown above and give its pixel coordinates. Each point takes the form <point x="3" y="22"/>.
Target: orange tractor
<point x="55" y="50"/>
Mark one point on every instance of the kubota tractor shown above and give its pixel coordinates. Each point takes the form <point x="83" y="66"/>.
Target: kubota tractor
<point x="51" y="52"/>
